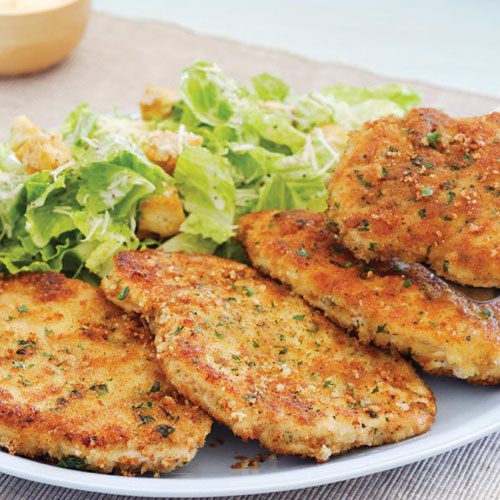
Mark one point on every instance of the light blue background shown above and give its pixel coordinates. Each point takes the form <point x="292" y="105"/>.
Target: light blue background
<point x="450" y="42"/>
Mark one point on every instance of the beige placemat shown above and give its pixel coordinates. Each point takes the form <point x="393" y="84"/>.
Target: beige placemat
<point x="119" y="57"/>
<point x="111" y="67"/>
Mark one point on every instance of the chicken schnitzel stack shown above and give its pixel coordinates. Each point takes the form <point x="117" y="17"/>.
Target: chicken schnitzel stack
<point x="263" y="362"/>
<point x="423" y="188"/>
<point x="80" y="383"/>
<point x="391" y="304"/>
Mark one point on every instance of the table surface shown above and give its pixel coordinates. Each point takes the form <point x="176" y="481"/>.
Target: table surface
<point x="451" y="42"/>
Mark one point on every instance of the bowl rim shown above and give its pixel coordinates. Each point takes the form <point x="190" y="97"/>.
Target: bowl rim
<point x="26" y="12"/>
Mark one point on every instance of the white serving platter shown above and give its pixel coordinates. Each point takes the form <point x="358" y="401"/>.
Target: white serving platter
<point x="465" y="413"/>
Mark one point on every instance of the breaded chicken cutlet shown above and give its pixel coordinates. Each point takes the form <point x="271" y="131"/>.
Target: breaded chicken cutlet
<point x="80" y="383"/>
<point x="423" y="188"/>
<point x="391" y="304"/>
<point x="263" y="362"/>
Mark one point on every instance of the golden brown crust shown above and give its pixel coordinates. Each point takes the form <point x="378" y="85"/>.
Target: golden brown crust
<point x="79" y="378"/>
<point x="423" y="188"/>
<point x="263" y="362"/>
<point x="394" y="305"/>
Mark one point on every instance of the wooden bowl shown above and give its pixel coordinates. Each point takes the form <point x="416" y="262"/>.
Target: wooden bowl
<point x="36" y="39"/>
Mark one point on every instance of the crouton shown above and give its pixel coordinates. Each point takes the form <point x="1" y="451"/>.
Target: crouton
<point x="38" y="150"/>
<point x="161" y="215"/>
<point x="157" y="103"/>
<point x="163" y="147"/>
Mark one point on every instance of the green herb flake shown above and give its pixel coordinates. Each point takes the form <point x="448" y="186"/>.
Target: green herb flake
<point x="427" y="191"/>
<point x="146" y="419"/>
<point x="366" y="225"/>
<point x="249" y="291"/>
<point x="372" y="246"/>
<point x="375" y="389"/>
<point x="123" y="293"/>
<point x="299" y="317"/>
<point x="468" y="158"/>
<point x="101" y="389"/>
<point x="71" y="462"/>
<point x="165" y="430"/>
<point x="177" y="330"/>
<point x="348" y="265"/>
<point x="486" y="313"/>
<point x="434" y="139"/>
<point x="303" y="253"/>
<point x="154" y="388"/>
<point x="23" y="309"/>
<point x="432" y="323"/>
<point x="366" y="184"/>
<point x="422" y="213"/>
<point x="381" y="328"/>
<point x="406" y="283"/>
<point x="450" y="196"/>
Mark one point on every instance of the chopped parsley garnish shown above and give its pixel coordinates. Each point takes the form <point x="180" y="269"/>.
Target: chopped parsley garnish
<point x="372" y="246"/>
<point x="155" y="387"/>
<point x="381" y="328"/>
<point x="123" y="293"/>
<point x="23" y="309"/>
<point x="406" y="283"/>
<point x="314" y="375"/>
<point x="303" y="253"/>
<point x="468" y="158"/>
<point x="299" y="317"/>
<point x="177" y="330"/>
<point x="366" y="226"/>
<point x="145" y="419"/>
<point x="100" y="388"/>
<point x="446" y="218"/>
<point x="485" y="312"/>
<point x="450" y="196"/>
<point x="426" y="191"/>
<point x="71" y="462"/>
<point x="446" y="265"/>
<point x="249" y="291"/>
<point x="384" y="171"/>
<point x="366" y="184"/>
<point x="165" y="430"/>
<point x="422" y="213"/>
<point x="348" y="264"/>
<point x="283" y="351"/>
<point x="255" y="344"/>
<point x="433" y="138"/>
<point x="327" y="383"/>
<point x="432" y="323"/>
<point x="375" y="389"/>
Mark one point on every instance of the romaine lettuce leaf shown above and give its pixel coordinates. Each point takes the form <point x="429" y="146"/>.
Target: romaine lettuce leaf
<point x="270" y="88"/>
<point x="208" y="194"/>
<point x="255" y="155"/>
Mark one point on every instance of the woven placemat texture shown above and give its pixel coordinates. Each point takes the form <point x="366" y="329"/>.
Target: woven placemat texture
<point x="111" y="67"/>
